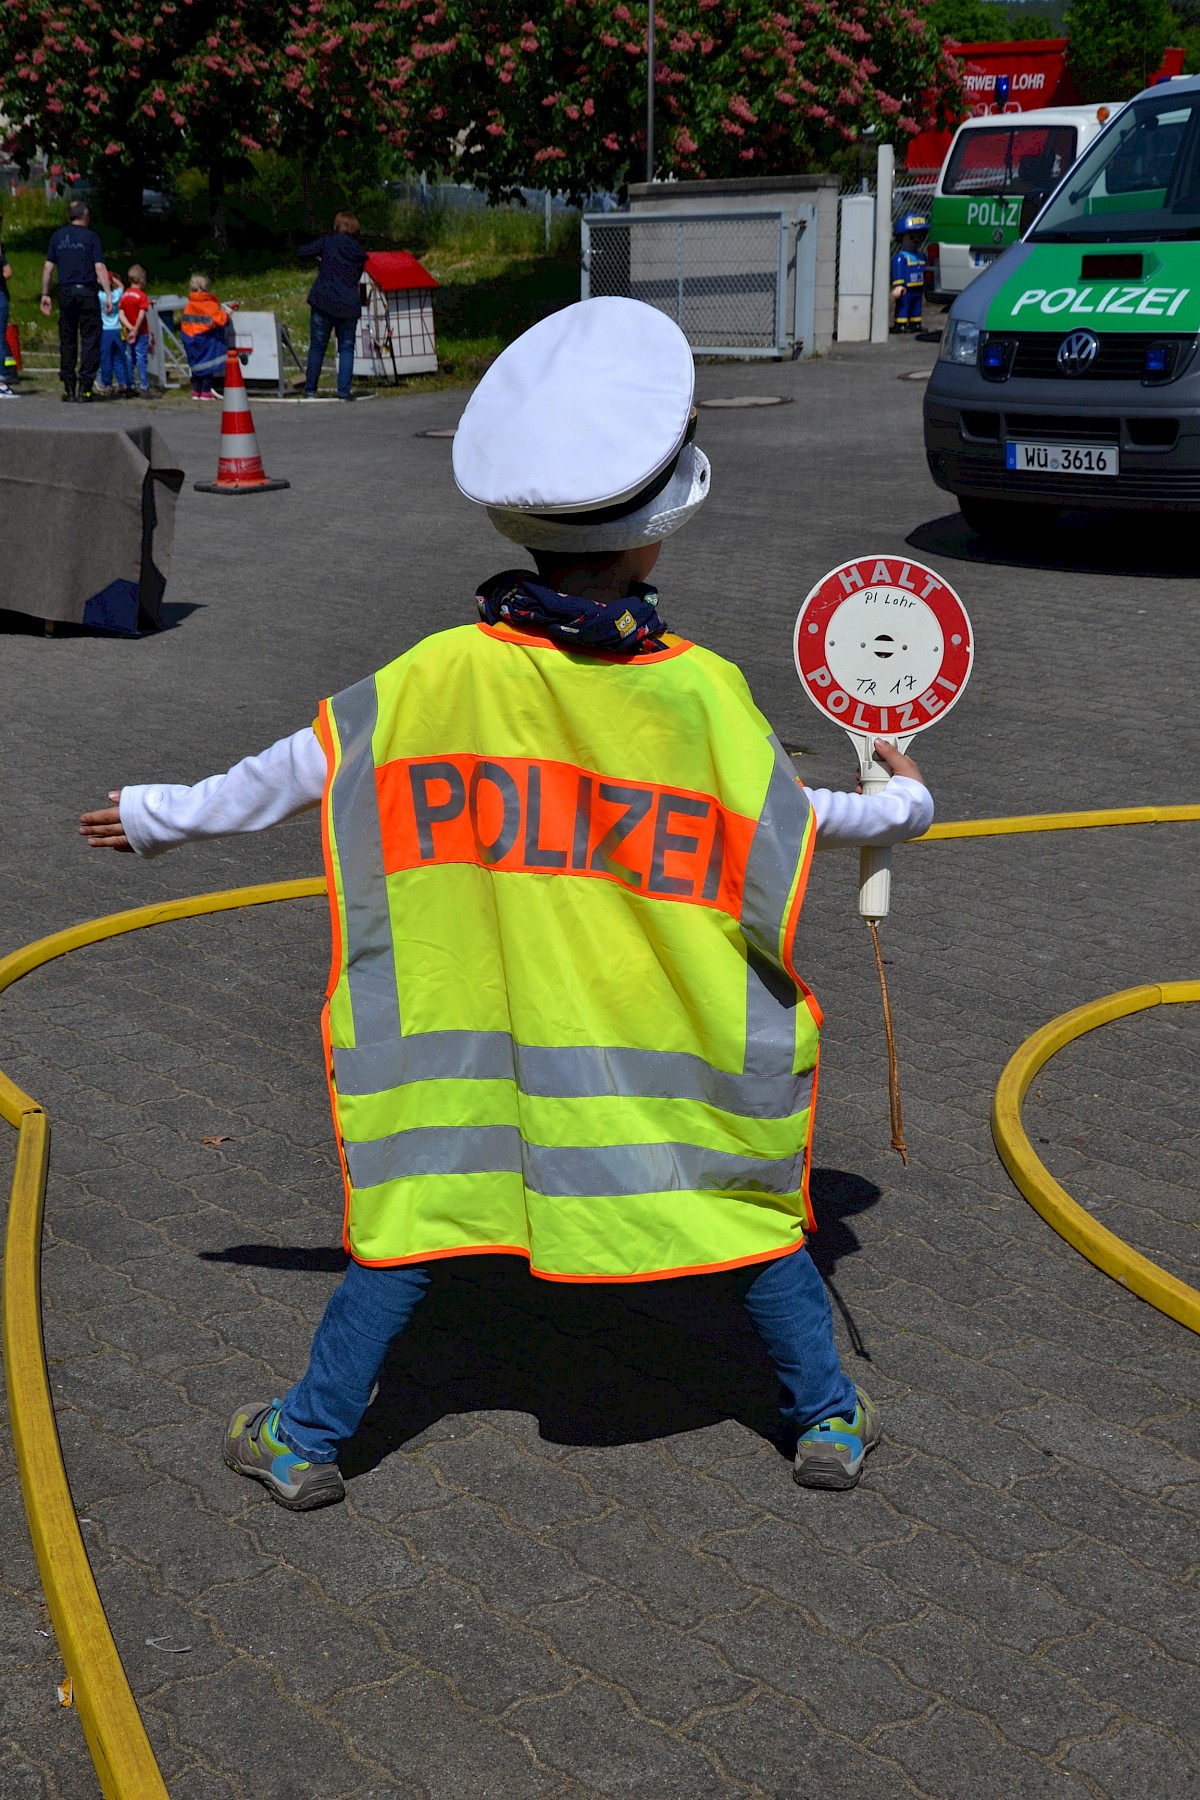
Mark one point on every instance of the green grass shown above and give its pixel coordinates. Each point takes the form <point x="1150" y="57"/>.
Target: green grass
<point x="496" y="279"/>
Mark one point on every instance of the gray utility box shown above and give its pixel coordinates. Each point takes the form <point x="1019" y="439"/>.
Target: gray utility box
<point x="809" y="207"/>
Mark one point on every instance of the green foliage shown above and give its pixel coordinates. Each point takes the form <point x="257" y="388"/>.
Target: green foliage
<point x="971" y="21"/>
<point x="1025" y="22"/>
<point x="496" y="275"/>
<point x="1185" y="31"/>
<point x="985" y="22"/>
<point x="29" y="216"/>
<point x="1116" y="45"/>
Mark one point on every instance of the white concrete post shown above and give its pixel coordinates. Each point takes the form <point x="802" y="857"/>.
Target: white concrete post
<point x="881" y="294"/>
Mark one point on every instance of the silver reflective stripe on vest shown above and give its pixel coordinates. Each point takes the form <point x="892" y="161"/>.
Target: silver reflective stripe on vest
<point x="774" y="854"/>
<point x="576" y="1171"/>
<point x="771" y="1000"/>
<point x="771" y="995"/>
<point x="582" y="1072"/>
<point x="370" y="950"/>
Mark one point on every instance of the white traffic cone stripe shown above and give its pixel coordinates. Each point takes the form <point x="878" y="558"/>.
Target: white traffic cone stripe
<point x="238" y="444"/>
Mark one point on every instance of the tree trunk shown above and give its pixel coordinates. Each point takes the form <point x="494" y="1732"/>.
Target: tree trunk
<point x="216" y="202"/>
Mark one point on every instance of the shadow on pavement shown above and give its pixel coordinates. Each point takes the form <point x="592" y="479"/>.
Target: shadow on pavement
<point x="170" y="614"/>
<point x="1162" y="545"/>
<point x="322" y="1261"/>
<point x="836" y="1197"/>
<point x="594" y="1364"/>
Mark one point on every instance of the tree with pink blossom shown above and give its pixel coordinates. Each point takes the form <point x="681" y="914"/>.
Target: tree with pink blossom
<point x="742" y="88"/>
<point x="492" y="91"/>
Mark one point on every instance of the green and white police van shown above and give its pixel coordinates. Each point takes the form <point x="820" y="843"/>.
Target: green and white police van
<point x="994" y="169"/>
<point x="1068" y="373"/>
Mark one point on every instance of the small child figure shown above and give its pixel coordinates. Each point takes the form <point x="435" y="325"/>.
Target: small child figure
<point x="135" y="312"/>
<point x="908" y="271"/>
<point x="114" y="364"/>
<point x="205" y="327"/>
<point x="566" y="859"/>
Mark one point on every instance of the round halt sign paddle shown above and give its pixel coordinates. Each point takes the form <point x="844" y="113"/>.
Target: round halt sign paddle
<point x="883" y="646"/>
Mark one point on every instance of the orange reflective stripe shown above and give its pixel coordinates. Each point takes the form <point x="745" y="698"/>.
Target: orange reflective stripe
<point x="508" y="634"/>
<point x="789" y="933"/>
<point x="526" y="816"/>
<point x="810" y="1217"/>
<point x="324" y="732"/>
<point x="715" y="1268"/>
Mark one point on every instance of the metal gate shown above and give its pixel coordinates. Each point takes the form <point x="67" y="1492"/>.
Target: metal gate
<point x="722" y="276"/>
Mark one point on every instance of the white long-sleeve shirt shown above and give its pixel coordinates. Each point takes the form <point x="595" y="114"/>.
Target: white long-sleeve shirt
<point x="290" y="777"/>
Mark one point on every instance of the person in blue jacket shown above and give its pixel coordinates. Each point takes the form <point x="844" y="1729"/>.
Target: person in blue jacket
<point x="908" y="271"/>
<point x="335" y="302"/>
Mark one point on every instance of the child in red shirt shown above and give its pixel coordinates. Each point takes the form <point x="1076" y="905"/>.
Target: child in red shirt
<point x="135" y="311"/>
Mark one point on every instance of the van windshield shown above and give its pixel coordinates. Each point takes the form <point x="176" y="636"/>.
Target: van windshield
<point x="1009" y="159"/>
<point x="1140" y="180"/>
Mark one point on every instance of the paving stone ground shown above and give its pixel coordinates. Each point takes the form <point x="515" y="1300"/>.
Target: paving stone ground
<point x="572" y="1561"/>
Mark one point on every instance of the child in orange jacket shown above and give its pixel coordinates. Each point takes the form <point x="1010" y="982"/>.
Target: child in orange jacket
<point x="205" y="327"/>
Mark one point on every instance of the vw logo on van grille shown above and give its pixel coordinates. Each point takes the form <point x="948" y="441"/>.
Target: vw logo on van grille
<point x="1077" y="353"/>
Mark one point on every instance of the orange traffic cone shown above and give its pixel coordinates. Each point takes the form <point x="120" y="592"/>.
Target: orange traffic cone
<point x="239" y="465"/>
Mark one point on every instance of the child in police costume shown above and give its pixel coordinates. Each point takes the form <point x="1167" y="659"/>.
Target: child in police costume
<point x="908" y="271"/>
<point x="562" y="775"/>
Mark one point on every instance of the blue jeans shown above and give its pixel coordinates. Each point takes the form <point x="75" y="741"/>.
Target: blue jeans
<point x="786" y="1301"/>
<point x="321" y="327"/>
<point x="138" y="352"/>
<point x="113" y="360"/>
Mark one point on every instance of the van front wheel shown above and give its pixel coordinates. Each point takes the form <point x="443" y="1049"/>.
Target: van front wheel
<point x="1008" y="522"/>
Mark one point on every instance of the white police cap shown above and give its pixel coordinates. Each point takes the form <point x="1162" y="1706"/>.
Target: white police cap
<point x="578" y="438"/>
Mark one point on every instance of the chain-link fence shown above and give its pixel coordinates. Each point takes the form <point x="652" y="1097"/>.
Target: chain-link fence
<point x="910" y="193"/>
<point x="721" y="276"/>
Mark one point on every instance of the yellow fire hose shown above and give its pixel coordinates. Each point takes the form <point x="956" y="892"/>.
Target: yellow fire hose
<point x="120" y="1749"/>
<point x="113" y="1728"/>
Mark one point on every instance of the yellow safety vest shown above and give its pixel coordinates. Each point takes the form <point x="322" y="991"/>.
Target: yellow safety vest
<point x="563" y="1017"/>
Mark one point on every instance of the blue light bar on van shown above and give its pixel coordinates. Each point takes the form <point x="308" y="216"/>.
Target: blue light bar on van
<point x="1160" y="362"/>
<point x="1003" y="90"/>
<point x="995" y="359"/>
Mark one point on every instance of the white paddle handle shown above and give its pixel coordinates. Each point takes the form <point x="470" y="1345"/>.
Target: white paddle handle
<point x="874" y="864"/>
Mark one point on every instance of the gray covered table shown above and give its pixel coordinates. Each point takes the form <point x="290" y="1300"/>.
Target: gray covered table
<point x="87" y="516"/>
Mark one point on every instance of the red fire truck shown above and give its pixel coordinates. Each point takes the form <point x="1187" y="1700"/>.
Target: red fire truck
<point x="1037" y="74"/>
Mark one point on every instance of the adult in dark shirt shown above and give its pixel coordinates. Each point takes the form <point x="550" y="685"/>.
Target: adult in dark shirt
<point x="335" y="302"/>
<point x="6" y="392"/>
<point x="75" y="253"/>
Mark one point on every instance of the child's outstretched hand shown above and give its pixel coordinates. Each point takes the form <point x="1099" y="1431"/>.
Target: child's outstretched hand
<point x="895" y="763"/>
<point x="103" y="829"/>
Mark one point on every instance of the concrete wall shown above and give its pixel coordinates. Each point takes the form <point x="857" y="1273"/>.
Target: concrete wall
<point x="760" y="193"/>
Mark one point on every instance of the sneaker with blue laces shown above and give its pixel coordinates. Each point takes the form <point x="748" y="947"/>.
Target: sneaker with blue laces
<point x="830" y="1454"/>
<point x="253" y="1448"/>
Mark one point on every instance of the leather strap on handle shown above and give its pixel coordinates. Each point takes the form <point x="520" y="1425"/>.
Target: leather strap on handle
<point x="893" y="1071"/>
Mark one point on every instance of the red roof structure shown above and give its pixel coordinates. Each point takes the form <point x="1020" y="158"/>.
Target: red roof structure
<point x="396" y="271"/>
